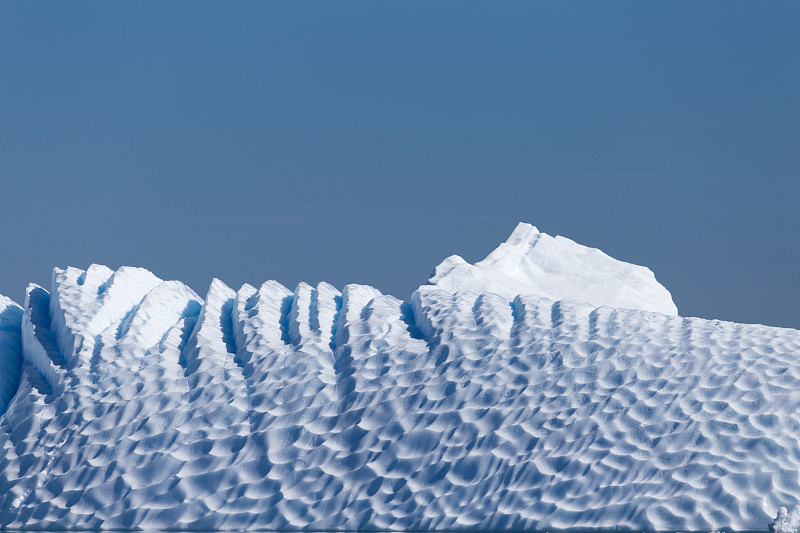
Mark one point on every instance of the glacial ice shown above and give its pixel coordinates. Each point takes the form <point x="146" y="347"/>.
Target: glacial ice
<point x="127" y="401"/>
<point x="531" y="262"/>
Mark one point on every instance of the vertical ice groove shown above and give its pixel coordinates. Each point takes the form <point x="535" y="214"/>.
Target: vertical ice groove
<point x="264" y="321"/>
<point x="10" y="350"/>
<point x="382" y="349"/>
<point x="532" y="335"/>
<point x="310" y="325"/>
<point x="494" y="316"/>
<point x="264" y="349"/>
<point x="594" y="320"/>
<point x="39" y="346"/>
<point x="354" y="299"/>
<point x="328" y="304"/>
<point x="242" y="329"/>
<point x="570" y="323"/>
<point x="260" y="318"/>
<point x="207" y="347"/>
<point x="515" y="314"/>
<point x="687" y="334"/>
<point x="226" y="325"/>
<point x="451" y="321"/>
<point x="215" y="379"/>
<point x="380" y="367"/>
<point x="73" y="293"/>
<point x="300" y="314"/>
<point x="86" y="303"/>
<point x="158" y="311"/>
<point x="529" y="317"/>
<point x="422" y="302"/>
<point x="313" y="313"/>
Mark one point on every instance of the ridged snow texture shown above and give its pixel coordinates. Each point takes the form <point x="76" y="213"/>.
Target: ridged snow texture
<point x="139" y="404"/>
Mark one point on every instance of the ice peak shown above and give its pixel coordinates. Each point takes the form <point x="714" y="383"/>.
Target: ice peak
<point x="444" y="268"/>
<point x="532" y="262"/>
<point x="523" y="234"/>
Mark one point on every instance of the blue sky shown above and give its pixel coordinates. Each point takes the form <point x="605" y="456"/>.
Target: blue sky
<point x="366" y="141"/>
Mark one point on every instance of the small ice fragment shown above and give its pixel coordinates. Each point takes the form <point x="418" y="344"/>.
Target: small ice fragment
<point x="786" y="522"/>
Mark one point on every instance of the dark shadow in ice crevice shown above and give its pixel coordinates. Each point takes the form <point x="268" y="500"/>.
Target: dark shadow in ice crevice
<point x="286" y="306"/>
<point x="10" y="354"/>
<point x="335" y="325"/>
<point x="39" y="303"/>
<point x="226" y="326"/>
<point x="407" y="316"/>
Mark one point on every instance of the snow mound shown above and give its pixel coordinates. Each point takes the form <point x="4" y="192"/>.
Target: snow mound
<point x="139" y="404"/>
<point x="531" y="262"/>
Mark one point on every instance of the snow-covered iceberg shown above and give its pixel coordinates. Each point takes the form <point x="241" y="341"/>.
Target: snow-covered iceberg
<point x="128" y="401"/>
<point x="531" y="262"/>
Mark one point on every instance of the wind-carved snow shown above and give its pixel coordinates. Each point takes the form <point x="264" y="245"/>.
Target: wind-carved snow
<point x="139" y="404"/>
<point x="530" y="262"/>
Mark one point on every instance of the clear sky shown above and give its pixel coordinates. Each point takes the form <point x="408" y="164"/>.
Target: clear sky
<point x="366" y="141"/>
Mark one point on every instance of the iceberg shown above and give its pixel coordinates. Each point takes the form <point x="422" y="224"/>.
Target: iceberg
<point x="547" y="386"/>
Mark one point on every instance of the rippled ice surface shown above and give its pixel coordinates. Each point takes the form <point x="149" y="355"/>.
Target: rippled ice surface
<point x="597" y="530"/>
<point x="133" y="402"/>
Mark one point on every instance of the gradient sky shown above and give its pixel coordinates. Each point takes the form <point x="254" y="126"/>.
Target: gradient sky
<point x="366" y="141"/>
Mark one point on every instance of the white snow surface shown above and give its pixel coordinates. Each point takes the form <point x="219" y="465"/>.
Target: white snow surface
<point x="127" y="401"/>
<point x="531" y="262"/>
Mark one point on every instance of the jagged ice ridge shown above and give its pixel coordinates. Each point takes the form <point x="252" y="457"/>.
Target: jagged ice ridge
<point x="548" y="386"/>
